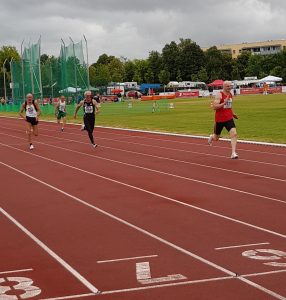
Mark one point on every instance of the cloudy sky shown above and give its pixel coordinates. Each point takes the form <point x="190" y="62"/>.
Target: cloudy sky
<point x="133" y="28"/>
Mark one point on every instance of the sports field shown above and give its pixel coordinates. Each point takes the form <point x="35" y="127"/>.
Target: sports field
<point x="261" y="118"/>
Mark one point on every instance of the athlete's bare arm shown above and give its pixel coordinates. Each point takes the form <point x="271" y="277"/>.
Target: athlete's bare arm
<point x="96" y="107"/>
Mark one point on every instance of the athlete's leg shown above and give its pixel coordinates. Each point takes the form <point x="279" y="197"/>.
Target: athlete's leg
<point x="216" y="135"/>
<point x="35" y="130"/>
<point x="29" y="132"/>
<point x="233" y="139"/>
<point x="64" y="122"/>
<point x="89" y="126"/>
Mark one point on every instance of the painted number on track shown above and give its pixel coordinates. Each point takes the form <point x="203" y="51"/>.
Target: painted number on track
<point x="143" y="274"/>
<point x="19" y="284"/>
<point x="271" y="256"/>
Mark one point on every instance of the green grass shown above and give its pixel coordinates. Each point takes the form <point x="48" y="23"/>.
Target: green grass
<point x="261" y="118"/>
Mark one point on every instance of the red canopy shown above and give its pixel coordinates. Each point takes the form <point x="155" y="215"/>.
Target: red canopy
<point x="217" y="82"/>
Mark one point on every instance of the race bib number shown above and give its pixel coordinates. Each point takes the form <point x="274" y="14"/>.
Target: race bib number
<point x="30" y="110"/>
<point x="88" y="109"/>
<point x="62" y="108"/>
<point x="228" y="104"/>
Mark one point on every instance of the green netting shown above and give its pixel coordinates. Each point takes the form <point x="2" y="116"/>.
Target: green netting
<point x="17" y="82"/>
<point x="32" y="70"/>
<point x="73" y="79"/>
<point x="67" y="74"/>
<point x="26" y="74"/>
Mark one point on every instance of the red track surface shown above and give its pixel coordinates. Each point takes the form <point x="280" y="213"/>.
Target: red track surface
<point x="67" y="209"/>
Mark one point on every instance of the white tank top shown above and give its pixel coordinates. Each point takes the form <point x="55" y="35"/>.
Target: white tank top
<point x="62" y="106"/>
<point x="31" y="111"/>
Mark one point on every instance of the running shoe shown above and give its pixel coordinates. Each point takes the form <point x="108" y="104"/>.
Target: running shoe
<point x="31" y="147"/>
<point x="82" y="128"/>
<point x="234" y="155"/>
<point x="94" y="145"/>
<point x="62" y="130"/>
<point x="210" y="140"/>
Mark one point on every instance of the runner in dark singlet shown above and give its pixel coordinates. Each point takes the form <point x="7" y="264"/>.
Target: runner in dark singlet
<point x="90" y="108"/>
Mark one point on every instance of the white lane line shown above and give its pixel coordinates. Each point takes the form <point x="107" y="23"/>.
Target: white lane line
<point x="241" y="246"/>
<point x="263" y="273"/>
<point x="191" y="282"/>
<point x="63" y="263"/>
<point x="16" y="271"/>
<point x="147" y="192"/>
<point x="124" y="259"/>
<point x="185" y="151"/>
<point x="159" y="172"/>
<point x="172" y="149"/>
<point x="145" y="232"/>
<point x="71" y="297"/>
<point x="175" y="135"/>
<point x="144" y="154"/>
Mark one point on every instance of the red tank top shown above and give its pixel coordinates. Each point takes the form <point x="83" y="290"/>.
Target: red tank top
<point x="225" y="113"/>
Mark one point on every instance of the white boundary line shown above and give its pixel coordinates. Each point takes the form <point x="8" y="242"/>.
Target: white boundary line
<point x="145" y="232"/>
<point x="57" y="258"/>
<point x="70" y="297"/>
<point x="147" y="192"/>
<point x="16" y="271"/>
<point x="241" y="246"/>
<point x="167" y="133"/>
<point x="125" y="259"/>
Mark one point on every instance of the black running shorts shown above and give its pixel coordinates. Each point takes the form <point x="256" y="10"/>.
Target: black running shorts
<point x="220" y="125"/>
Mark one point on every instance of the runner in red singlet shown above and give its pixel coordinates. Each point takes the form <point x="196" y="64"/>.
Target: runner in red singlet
<point x="224" y="117"/>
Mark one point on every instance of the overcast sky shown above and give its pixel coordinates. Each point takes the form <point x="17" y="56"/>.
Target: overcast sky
<point x="133" y="28"/>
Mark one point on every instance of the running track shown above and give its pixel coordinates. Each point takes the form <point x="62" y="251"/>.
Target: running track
<point x="143" y="216"/>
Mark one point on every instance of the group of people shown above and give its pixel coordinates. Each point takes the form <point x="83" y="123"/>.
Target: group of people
<point x="221" y="104"/>
<point x="30" y="111"/>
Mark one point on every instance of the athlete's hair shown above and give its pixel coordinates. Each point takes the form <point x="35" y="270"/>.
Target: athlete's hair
<point x="87" y="92"/>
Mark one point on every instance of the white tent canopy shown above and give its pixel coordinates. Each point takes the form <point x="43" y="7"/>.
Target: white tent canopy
<point x="270" y="79"/>
<point x="71" y="90"/>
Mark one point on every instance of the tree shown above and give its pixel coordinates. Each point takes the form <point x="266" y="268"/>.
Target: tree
<point x="191" y="58"/>
<point x="116" y="69"/>
<point x="170" y="59"/>
<point x="7" y="53"/>
<point x="100" y="75"/>
<point x="202" y="75"/>
<point x="155" y="63"/>
<point x="129" y="71"/>
<point x="242" y="63"/>
<point x="218" y="65"/>
<point x="164" y="77"/>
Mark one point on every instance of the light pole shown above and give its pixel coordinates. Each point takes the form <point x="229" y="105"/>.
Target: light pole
<point x="75" y="76"/>
<point x="87" y="63"/>
<point x="4" y="71"/>
<point x="12" y="79"/>
<point x="23" y="80"/>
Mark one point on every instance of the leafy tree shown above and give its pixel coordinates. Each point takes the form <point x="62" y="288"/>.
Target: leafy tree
<point x="7" y="53"/>
<point x="191" y="58"/>
<point x="164" y="77"/>
<point x="202" y="75"/>
<point x="129" y="71"/>
<point x="116" y="69"/>
<point x="170" y="58"/>
<point x="155" y="63"/>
